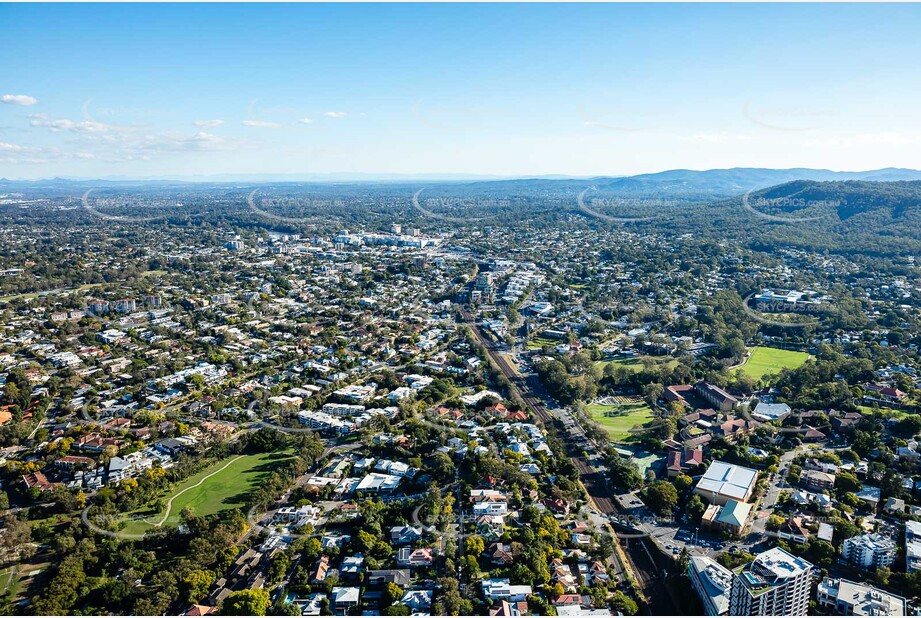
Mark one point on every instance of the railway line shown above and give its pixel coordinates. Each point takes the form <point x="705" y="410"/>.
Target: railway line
<point x="648" y="574"/>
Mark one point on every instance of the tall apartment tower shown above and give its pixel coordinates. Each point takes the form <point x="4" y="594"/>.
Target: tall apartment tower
<point x="776" y="583"/>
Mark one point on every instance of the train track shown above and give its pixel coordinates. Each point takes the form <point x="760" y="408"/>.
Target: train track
<point x="647" y="572"/>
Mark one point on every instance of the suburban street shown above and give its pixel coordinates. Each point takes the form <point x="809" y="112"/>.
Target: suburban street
<point x="644" y="565"/>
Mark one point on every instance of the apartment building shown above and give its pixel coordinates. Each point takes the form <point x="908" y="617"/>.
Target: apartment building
<point x="869" y="551"/>
<point x="712" y="583"/>
<point x="775" y="583"/>
<point x="847" y="598"/>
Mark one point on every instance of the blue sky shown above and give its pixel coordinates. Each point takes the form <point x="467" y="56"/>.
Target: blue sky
<point x="167" y="90"/>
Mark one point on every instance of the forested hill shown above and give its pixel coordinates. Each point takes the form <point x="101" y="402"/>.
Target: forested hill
<point x="851" y="216"/>
<point x="726" y="182"/>
<point x="872" y="201"/>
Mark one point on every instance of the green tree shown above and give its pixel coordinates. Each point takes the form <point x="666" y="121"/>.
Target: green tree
<point x="474" y="546"/>
<point x="365" y="541"/>
<point x="695" y="508"/>
<point x="196" y="584"/>
<point x="661" y="497"/>
<point x="881" y="576"/>
<point x="442" y="466"/>
<point x="624" y="604"/>
<point x="774" y="522"/>
<point x="251" y="602"/>
<point x="599" y="596"/>
<point x="846" y="482"/>
<point x="624" y="473"/>
<point x="822" y="553"/>
<point x="683" y="482"/>
<point x="392" y="593"/>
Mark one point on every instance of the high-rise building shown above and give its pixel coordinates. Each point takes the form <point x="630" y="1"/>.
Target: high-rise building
<point x="775" y="583"/>
<point x="869" y="551"/>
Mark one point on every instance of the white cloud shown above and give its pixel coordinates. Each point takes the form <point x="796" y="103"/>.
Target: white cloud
<point x="19" y="99"/>
<point x="208" y="124"/>
<point x="143" y="146"/>
<point x="304" y="121"/>
<point x="337" y="114"/>
<point x="103" y="141"/>
<point x="83" y="126"/>
<point x="265" y="124"/>
<point x="17" y="154"/>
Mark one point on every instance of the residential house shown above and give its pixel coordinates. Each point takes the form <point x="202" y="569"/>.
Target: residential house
<point x="421" y="557"/>
<point x="344" y="598"/>
<point x="405" y="535"/>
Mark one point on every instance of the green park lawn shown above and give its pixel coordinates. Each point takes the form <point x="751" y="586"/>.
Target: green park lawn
<point x="765" y="361"/>
<point x="226" y="489"/>
<point x="539" y="342"/>
<point x="79" y="289"/>
<point x="7" y="583"/>
<point x="886" y="412"/>
<point x="618" y="420"/>
<point x="636" y="364"/>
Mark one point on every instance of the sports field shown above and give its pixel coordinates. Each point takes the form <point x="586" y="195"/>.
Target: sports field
<point x="620" y="419"/>
<point x="221" y="486"/>
<point x="765" y="361"/>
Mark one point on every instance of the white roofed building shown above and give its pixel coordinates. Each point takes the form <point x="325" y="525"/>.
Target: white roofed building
<point x="712" y="582"/>
<point x="847" y="598"/>
<point x="723" y="482"/>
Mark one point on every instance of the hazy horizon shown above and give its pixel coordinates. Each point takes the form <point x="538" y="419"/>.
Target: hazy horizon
<point x="359" y="177"/>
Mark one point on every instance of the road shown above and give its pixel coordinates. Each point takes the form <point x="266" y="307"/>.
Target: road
<point x="644" y="562"/>
<point x="777" y="485"/>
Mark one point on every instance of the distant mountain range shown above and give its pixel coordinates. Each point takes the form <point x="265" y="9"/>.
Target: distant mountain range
<point x="689" y="185"/>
